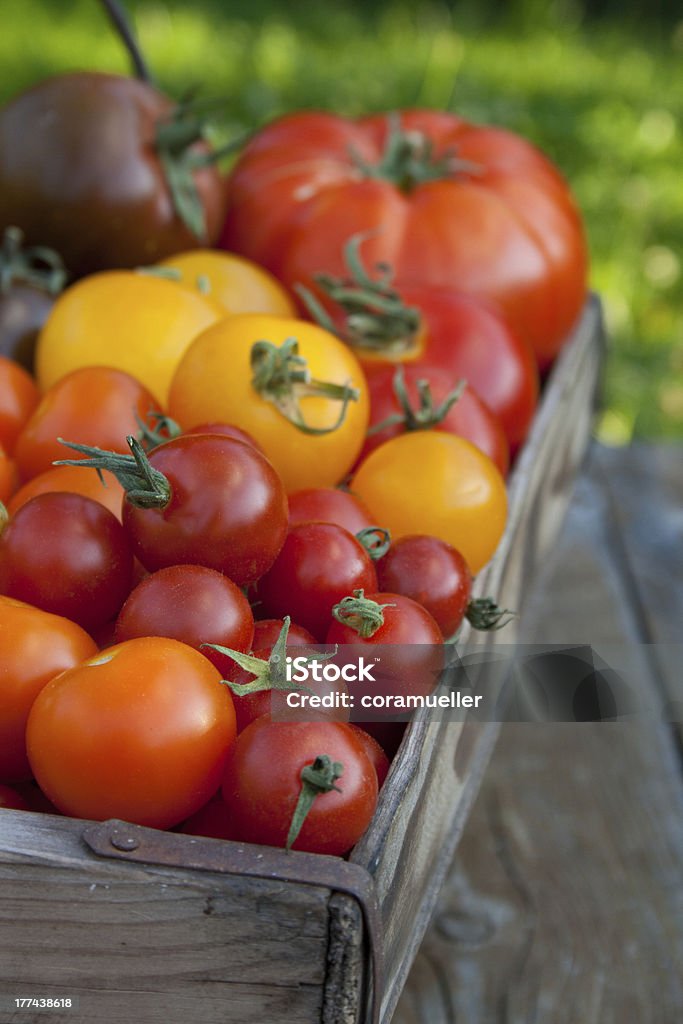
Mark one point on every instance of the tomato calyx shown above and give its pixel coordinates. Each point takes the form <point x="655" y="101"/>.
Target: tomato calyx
<point x="144" y="485"/>
<point x="426" y="416"/>
<point x="376" y="541"/>
<point x="484" y="614"/>
<point x="36" y="265"/>
<point x="161" y="428"/>
<point x="361" y="614"/>
<point x="4" y="517"/>
<point x="319" y="777"/>
<point x="409" y="160"/>
<point x="270" y="674"/>
<point x="377" y="319"/>
<point x="281" y="376"/>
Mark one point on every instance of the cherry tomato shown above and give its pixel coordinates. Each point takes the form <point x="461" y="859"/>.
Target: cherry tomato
<point x="228" y="430"/>
<point x="431" y="572"/>
<point x="190" y="603"/>
<point x="238" y="285"/>
<point x="139" y="731"/>
<point x="19" y="396"/>
<point x="318" y="565"/>
<point x="374" y="751"/>
<point x="440" y="484"/>
<point x="262" y="783"/>
<point x="12" y="800"/>
<point x="266" y="632"/>
<point x="34" y="647"/>
<point x="418" y="400"/>
<point x="9" y="477"/>
<point x="108" y="491"/>
<point x="223" y="507"/>
<point x="211" y="820"/>
<point x="247" y="370"/>
<point x="329" y="505"/>
<point x="97" y="404"/>
<point x="132" y="321"/>
<point x="66" y="554"/>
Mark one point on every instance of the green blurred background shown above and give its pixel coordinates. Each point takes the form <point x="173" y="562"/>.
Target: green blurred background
<point x="598" y="85"/>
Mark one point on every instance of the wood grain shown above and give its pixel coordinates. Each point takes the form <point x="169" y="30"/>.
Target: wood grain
<point x="565" y="903"/>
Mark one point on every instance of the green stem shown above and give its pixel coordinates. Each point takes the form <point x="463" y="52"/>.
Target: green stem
<point x="376" y="541"/>
<point x="4" y="517"/>
<point x="281" y="376"/>
<point x="361" y="614"/>
<point x="120" y="22"/>
<point x="144" y="485"/>
<point x="426" y="416"/>
<point x="319" y="777"/>
<point x="484" y="614"/>
<point x="36" y="265"/>
<point x="162" y="429"/>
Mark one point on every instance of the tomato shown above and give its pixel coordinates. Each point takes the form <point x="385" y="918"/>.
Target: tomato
<point x="262" y="785"/>
<point x="329" y="505"/>
<point x="448" y="203"/>
<point x="200" y="499"/>
<point x="309" y="417"/>
<point x="9" y="478"/>
<point x="190" y="603"/>
<point x="29" y="281"/>
<point x="132" y="321"/>
<point x="12" y="800"/>
<point x="210" y="820"/>
<point x="139" y="732"/>
<point x="66" y="554"/>
<point x="108" y="491"/>
<point x="419" y="398"/>
<point x="319" y="564"/>
<point x="97" y="404"/>
<point x="440" y="484"/>
<point x="431" y="572"/>
<point x="227" y="429"/>
<point x="99" y="167"/>
<point x="236" y="284"/>
<point x="266" y="632"/>
<point x="34" y="647"/>
<point x="374" y="751"/>
<point x="18" y="398"/>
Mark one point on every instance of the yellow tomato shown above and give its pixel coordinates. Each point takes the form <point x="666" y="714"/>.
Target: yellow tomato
<point x="431" y="482"/>
<point x="252" y="370"/>
<point x="133" y="321"/>
<point x="237" y="284"/>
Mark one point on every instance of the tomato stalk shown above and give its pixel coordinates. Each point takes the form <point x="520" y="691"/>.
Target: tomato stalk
<point x="281" y="376"/>
<point x="484" y="614"/>
<point x="4" y="516"/>
<point x="319" y="777"/>
<point x="376" y="541"/>
<point x="377" y="319"/>
<point x="162" y="428"/>
<point x="426" y="416"/>
<point x="361" y="614"/>
<point x="36" y="265"/>
<point x="120" y="22"/>
<point x="144" y="485"/>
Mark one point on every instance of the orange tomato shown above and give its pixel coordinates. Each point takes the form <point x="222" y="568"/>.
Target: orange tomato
<point x="19" y="396"/>
<point x="77" y="481"/>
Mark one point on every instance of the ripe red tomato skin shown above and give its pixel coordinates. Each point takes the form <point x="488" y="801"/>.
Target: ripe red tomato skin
<point x="470" y="417"/>
<point x="138" y="732"/>
<point x="35" y="646"/>
<point x="374" y="751"/>
<point x="190" y="603"/>
<point x="12" y="800"/>
<point x="319" y="564"/>
<point x="227" y="430"/>
<point x="211" y="820"/>
<point x="266" y="632"/>
<point x="262" y="782"/>
<point x="431" y="572"/>
<point x="228" y="509"/>
<point x="329" y="505"/>
<point x="68" y="555"/>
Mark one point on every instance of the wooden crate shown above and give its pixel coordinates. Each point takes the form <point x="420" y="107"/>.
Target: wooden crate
<point x="137" y="924"/>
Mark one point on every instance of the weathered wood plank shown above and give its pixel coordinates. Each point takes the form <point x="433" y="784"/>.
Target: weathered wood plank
<point x="565" y="901"/>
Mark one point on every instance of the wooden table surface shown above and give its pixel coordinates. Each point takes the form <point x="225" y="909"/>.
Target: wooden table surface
<point x="564" y="904"/>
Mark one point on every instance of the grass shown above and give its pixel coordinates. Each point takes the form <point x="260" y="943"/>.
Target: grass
<point x="604" y="98"/>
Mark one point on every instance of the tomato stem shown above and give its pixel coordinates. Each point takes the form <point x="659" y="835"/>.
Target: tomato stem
<point x="361" y="614"/>
<point x="4" y="516"/>
<point x="484" y="614"/>
<point x="144" y="485"/>
<point x="281" y="376"/>
<point x="426" y="416"/>
<point x="121" y="24"/>
<point x="162" y="428"/>
<point x="377" y="319"/>
<point x="319" y="777"/>
<point x="376" y="541"/>
<point x="37" y="265"/>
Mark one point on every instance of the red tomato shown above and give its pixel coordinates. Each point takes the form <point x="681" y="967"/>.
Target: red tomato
<point x="318" y="565"/>
<point x="210" y="820"/>
<point x="449" y="204"/>
<point x="19" y="396"/>
<point x="69" y="555"/>
<point x="34" y="647"/>
<point x="138" y="732"/>
<point x="97" y="405"/>
<point x="374" y="752"/>
<point x="262" y="784"/>
<point x="431" y="572"/>
<point x="228" y="430"/>
<point x="12" y="800"/>
<point x="8" y="476"/>
<point x="329" y="505"/>
<point x="422" y="406"/>
<point x="189" y="603"/>
<point x="266" y="632"/>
